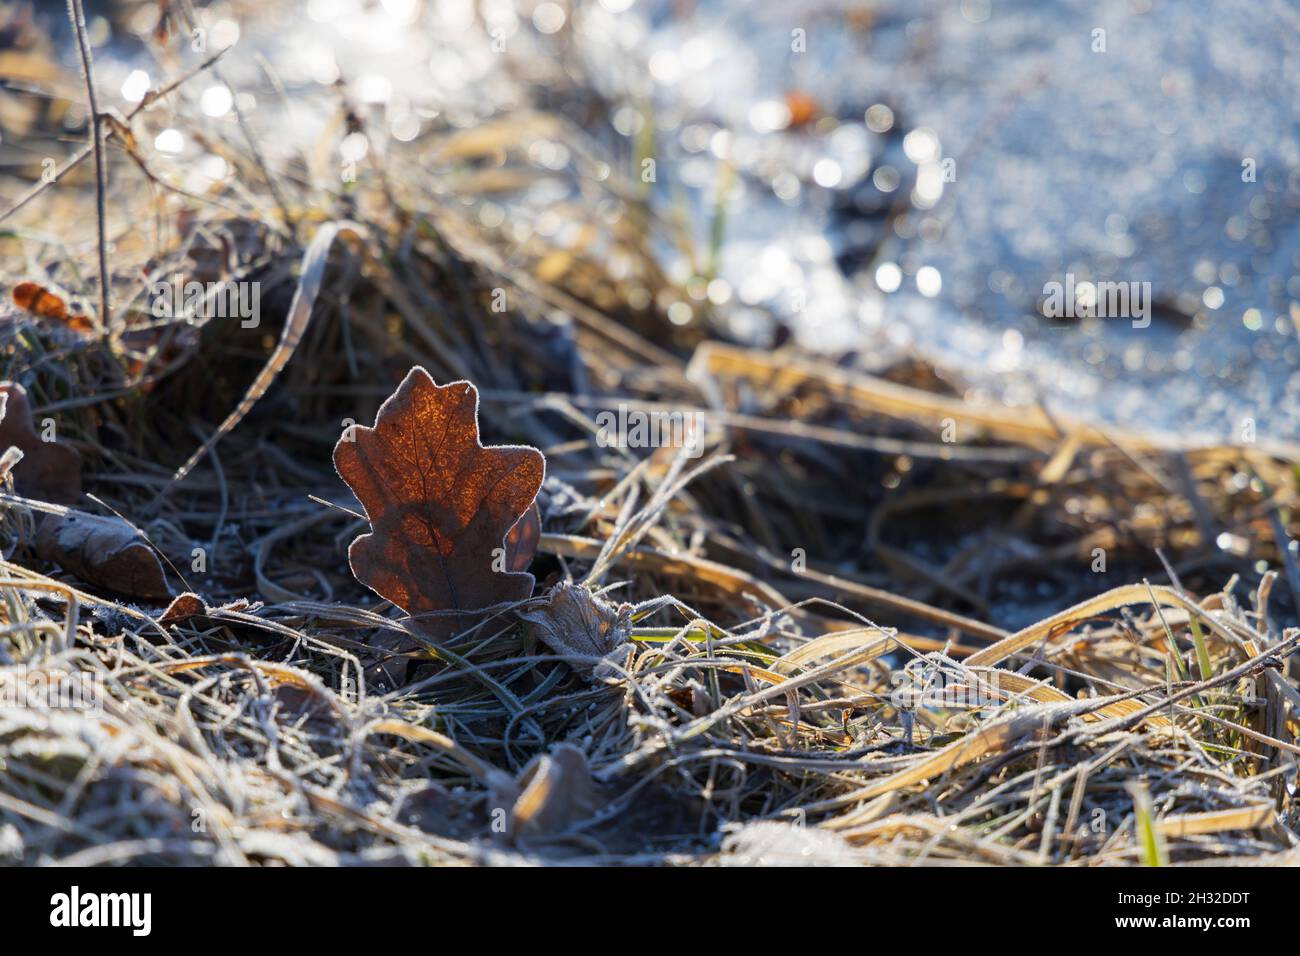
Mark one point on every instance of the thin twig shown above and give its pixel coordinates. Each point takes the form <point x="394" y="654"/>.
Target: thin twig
<point x="80" y="155"/>
<point x="78" y="18"/>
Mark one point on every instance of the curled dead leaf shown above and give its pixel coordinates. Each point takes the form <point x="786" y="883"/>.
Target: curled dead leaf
<point x="575" y="623"/>
<point x="104" y="551"/>
<point x="189" y="607"/>
<point x="440" y="505"/>
<point x="553" y="793"/>
<point x="182" y="608"/>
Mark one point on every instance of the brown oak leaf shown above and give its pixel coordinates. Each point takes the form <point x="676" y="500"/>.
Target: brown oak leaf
<point x="440" y="505"/>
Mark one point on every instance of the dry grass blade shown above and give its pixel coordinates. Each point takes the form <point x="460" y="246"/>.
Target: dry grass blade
<point x="311" y="275"/>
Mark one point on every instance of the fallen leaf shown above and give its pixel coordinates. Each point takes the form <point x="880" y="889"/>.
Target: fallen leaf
<point x="40" y="301"/>
<point x="575" y="623"/>
<point x="182" y="608"/>
<point x="188" y="606"/>
<point x="557" y="792"/>
<point x="50" y="470"/>
<point x="104" y="551"/>
<point x="440" y="505"/>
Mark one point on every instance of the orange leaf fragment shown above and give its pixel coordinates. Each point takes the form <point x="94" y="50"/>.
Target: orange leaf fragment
<point x="440" y="505"/>
<point x="39" y="301"/>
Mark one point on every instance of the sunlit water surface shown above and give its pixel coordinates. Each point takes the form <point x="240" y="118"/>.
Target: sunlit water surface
<point x="909" y="175"/>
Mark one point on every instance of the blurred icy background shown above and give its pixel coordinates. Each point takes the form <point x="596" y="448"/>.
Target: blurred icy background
<point x="1121" y="165"/>
<point x="907" y="175"/>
